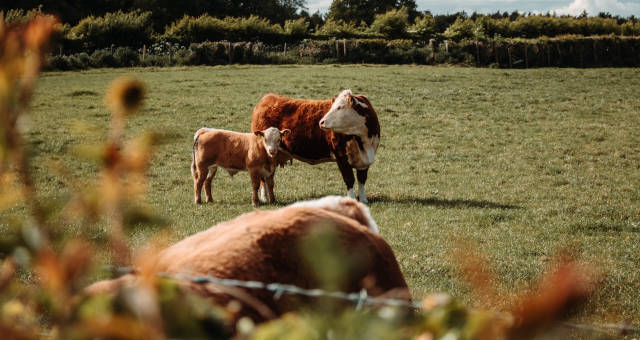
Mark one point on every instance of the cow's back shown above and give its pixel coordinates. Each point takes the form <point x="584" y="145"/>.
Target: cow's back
<point x="301" y="116"/>
<point x="265" y="246"/>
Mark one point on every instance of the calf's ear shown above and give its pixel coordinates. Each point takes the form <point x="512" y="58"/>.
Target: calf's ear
<point x="259" y="133"/>
<point x="285" y="132"/>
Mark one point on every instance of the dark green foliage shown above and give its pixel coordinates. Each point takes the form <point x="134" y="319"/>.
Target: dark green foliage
<point x="392" y="24"/>
<point x="126" y="57"/>
<point x="568" y="51"/>
<point x="132" y="29"/>
<point x="357" y="11"/>
<point x="206" y="28"/>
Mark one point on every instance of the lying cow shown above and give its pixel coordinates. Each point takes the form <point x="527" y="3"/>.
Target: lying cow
<point x="235" y="151"/>
<point x="344" y="130"/>
<point x="264" y="246"/>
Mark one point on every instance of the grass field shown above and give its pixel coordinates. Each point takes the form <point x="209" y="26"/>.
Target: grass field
<point x="521" y="162"/>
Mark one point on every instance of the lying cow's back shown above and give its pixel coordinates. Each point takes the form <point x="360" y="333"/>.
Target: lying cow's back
<point x="265" y="246"/>
<point x="301" y="116"/>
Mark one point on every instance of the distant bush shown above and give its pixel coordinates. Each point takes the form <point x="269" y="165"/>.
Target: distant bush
<point x="424" y="27"/>
<point x="206" y="28"/>
<point x="253" y="28"/>
<point x="631" y="28"/>
<point x="565" y="51"/>
<point x="339" y="29"/>
<point x="463" y="29"/>
<point x="194" y="30"/>
<point x="132" y="29"/>
<point x="392" y="24"/>
<point x="297" y="28"/>
<point x="20" y="16"/>
<point x="126" y="57"/>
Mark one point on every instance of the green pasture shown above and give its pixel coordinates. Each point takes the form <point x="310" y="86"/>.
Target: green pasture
<point x="524" y="164"/>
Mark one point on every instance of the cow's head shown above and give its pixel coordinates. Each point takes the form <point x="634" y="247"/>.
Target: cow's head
<point x="271" y="138"/>
<point x="343" y="117"/>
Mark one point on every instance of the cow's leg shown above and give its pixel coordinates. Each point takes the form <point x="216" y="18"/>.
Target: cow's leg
<point x="255" y="186"/>
<point x="362" y="178"/>
<point x="211" y="173"/>
<point x="198" y="180"/>
<point x="347" y="175"/>
<point x="270" y="183"/>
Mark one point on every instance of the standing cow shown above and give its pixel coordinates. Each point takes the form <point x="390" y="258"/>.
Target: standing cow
<point x="344" y="130"/>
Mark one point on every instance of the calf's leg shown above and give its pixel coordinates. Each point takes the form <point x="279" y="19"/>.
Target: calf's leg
<point x="255" y="185"/>
<point x="347" y="175"/>
<point x="362" y="178"/>
<point x="270" y="184"/>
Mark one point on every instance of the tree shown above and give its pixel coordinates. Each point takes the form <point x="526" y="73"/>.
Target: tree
<point x="392" y="24"/>
<point x="164" y="11"/>
<point x="356" y="11"/>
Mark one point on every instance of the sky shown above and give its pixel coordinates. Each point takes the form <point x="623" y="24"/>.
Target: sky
<point x="623" y="8"/>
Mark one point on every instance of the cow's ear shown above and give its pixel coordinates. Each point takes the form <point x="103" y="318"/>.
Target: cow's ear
<point x="360" y="103"/>
<point x="259" y="133"/>
<point x="285" y="132"/>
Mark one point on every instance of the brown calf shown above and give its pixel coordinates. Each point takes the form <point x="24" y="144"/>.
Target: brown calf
<point x="235" y="151"/>
<point x="265" y="246"/>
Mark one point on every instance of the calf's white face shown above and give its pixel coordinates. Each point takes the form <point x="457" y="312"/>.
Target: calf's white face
<point x="342" y="117"/>
<point x="271" y="139"/>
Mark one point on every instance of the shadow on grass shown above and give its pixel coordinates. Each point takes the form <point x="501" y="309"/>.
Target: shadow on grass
<point x="433" y="201"/>
<point x="443" y="202"/>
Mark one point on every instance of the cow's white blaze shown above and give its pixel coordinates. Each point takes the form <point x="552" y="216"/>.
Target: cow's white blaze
<point x="342" y="118"/>
<point x="271" y="139"/>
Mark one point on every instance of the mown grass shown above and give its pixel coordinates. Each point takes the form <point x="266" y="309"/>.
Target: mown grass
<point x="521" y="162"/>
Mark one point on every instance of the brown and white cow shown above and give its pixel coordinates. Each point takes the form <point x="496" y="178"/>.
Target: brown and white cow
<point x="265" y="246"/>
<point x="344" y="130"/>
<point x="235" y="151"/>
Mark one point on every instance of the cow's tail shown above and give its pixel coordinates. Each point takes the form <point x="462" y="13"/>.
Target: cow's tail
<point x="193" y="153"/>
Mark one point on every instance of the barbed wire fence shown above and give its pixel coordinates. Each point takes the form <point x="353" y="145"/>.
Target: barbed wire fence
<point x="360" y="299"/>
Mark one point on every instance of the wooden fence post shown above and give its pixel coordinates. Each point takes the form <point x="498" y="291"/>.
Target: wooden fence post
<point x="546" y="46"/>
<point x="477" y="54"/>
<point x="144" y="51"/>
<point x="230" y="52"/>
<point x="509" y="53"/>
<point x="526" y="56"/>
<point x="344" y="45"/>
<point x="337" y="50"/>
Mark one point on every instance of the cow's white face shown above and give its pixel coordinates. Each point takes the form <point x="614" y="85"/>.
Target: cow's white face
<point x="271" y="139"/>
<point x="342" y="117"/>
